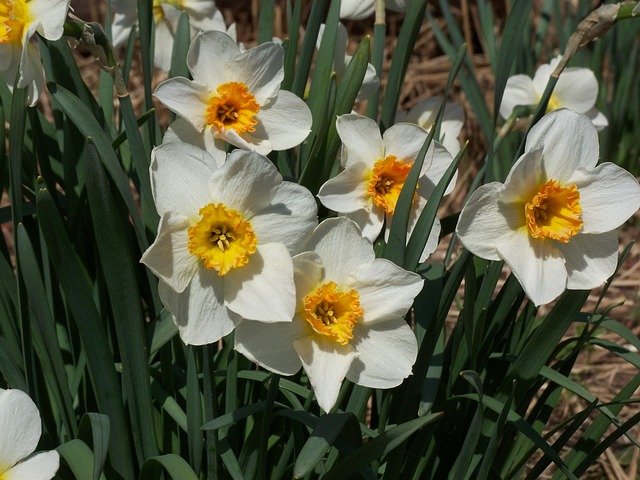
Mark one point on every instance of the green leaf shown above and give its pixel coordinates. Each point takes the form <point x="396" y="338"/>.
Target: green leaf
<point x="325" y="433"/>
<point x="117" y="260"/>
<point x="95" y="427"/>
<point x="378" y="447"/>
<point x="308" y="47"/>
<point x="79" y="458"/>
<point x="265" y="21"/>
<point x="173" y="465"/>
<point x="181" y="43"/>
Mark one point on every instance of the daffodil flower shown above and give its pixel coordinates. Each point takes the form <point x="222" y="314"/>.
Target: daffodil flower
<point x="576" y="89"/>
<point x="348" y="321"/>
<point x="425" y="113"/>
<point x="19" y="21"/>
<point x="20" y="430"/>
<point x="235" y="96"/>
<point x="203" y="15"/>
<point x="553" y="219"/>
<point x="375" y="169"/>
<point x="341" y="60"/>
<point x="224" y="239"/>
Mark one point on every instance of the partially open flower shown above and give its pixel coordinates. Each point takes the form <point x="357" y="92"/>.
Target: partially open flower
<point x="576" y="89"/>
<point x="553" y="219"/>
<point x="20" y="430"/>
<point x="235" y="96"/>
<point x="19" y="21"/>
<point x="348" y="321"/>
<point x="356" y="9"/>
<point x="424" y="113"/>
<point x="225" y="239"/>
<point x="375" y="169"/>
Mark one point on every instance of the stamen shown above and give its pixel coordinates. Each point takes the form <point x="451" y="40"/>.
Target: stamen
<point x="233" y="107"/>
<point x="554" y="212"/>
<point x="387" y="179"/>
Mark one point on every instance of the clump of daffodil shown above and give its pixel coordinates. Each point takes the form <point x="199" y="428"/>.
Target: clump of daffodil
<point x="348" y="321"/>
<point x="375" y="169"/>
<point x="576" y="89"/>
<point x="19" y="22"/>
<point x="203" y="16"/>
<point x="553" y="220"/>
<point x="225" y="239"/>
<point x="20" y="430"/>
<point x="235" y="97"/>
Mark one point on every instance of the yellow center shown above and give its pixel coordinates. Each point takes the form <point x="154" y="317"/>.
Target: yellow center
<point x="14" y="16"/>
<point x="387" y="178"/>
<point x="233" y="107"/>
<point x="158" y="12"/>
<point x="554" y="212"/>
<point x="222" y="238"/>
<point x="553" y="104"/>
<point x="333" y="313"/>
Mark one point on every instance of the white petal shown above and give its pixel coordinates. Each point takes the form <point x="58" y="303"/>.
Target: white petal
<point x="577" y="89"/>
<point x="386" y="291"/>
<point x="42" y="466"/>
<point x="246" y="141"/>
<point x="199" y="311"/>
<point x="342" y="248"/>
<point x="347" y="191"/>
<point x="537" y="264"/>
<point x="609" y="196"/>
<point x="519" y="90"/>
<point x="289" y="219"/>
<point x="569" y="141"/>
<point x="50" y="14"/>
<point x="168" y="257"/>
<point x="361" y="139"/>
<point x="386" y="354"/>
<point x="121" y="26"/>
<point x="404" y="141"/>
<point x="356" y="9"/>
<point x="370" y="83"/>
<point x="208" y="52"/>
<point x="263" y="289"/>
<point x="326" y="363"/>
<point x="270" y="345"/>
<point x="591" y="259"/>
<point x="34" y="77"/>
<point x="20" y="427"/>
<point x="441" y="159"/>
<point x="423" y="113"/>
<point x="525" y="178"/>
<point x="205" y="16"/>
<point x="261" y="69"/>
<point x="186" y="98"/>
<point x="543" y="72"/>
<point x="597" y="118"/>
<point x="181" y="131"/>
<point x="163" y="46"/>
<point x="285" y="121"/>
<point x="179" y="178"/>
<point x="247" y="182"/>
<point x="370" y="222"/>
<point x="484" y="220"/>
<point x="308" y="273"/>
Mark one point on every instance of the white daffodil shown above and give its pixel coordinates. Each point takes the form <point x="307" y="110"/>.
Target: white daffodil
<point x="577" y="90"/>
<point x="553" y="219"/>
<point x="235" y="96"/>
<point x="356" y="9"/>
<point x="20" y="430"/>
<point x="349" y="317"/>
<point x="19" y="21"/>
<point x="425" y="113"/>
<point x="203" y="16"/>
<point x="224" y="239"/>
<point x="341" y="60"/>
<point x="375" y="169"/>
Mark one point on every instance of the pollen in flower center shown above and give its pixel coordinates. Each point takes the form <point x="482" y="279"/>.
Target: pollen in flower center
<point x="222" y="239"/>
<point x="233" y="107"/>
<point x="333" y="313"/>
<point x="387" y="178"/>
<point x="554" y="212"/>
<point x="14" y="16"/>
